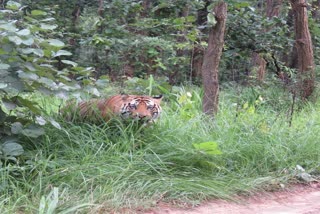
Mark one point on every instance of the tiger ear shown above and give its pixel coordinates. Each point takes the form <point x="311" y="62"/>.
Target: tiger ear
<point x="124" y="97"/>
<point x="157" y="99"/>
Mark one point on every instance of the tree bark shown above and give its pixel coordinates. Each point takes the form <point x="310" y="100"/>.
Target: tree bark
<point x="273" y="8"/>
<point x="259" y="66"/>
<point x="211" y="60"/>
<point x="303" y="45"/>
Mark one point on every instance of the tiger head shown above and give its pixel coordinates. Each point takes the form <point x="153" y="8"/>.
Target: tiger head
<point x="142" y="108"/>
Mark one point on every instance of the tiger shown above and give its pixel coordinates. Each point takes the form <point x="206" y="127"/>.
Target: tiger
<point x="140" y="108"/>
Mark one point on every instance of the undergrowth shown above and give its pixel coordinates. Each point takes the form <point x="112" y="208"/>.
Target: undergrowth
<point x="185" y="156"/>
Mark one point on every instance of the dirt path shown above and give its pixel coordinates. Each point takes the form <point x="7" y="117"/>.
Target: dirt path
<point x="300" y="199"/>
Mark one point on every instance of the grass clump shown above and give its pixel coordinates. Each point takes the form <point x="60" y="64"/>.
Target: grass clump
<point x="91" y="168"/>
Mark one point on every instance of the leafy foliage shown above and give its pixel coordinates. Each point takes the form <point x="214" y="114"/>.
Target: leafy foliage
<point x="32" y="60"/>
<point x="250" y="31"/>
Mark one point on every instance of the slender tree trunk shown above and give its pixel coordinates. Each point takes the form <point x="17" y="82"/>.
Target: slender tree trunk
<point x="146" y="4"/>
<point x="76" y="13"/>
<point x="211" y="60"/>
<point x="259" y="66"/>
<point x="303" y="45"/>
<point x="273" y="8"/>
<point x="100" y="8"/>
<point x="196" y="63"/>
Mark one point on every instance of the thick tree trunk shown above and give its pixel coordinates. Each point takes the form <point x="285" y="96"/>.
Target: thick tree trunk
<point x="211" y="60"/>
<point x="303" y="45"/>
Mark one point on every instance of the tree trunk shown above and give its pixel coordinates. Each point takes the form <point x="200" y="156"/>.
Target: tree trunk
<point x="196" y="63"/>
<point x="100" y="8"/>
<point x="211" y="60"/>
<point x="259" y="66"/>
<point x="76" y="13"/>
<point x="303" y="45"/>
<point x="273" y="8"/>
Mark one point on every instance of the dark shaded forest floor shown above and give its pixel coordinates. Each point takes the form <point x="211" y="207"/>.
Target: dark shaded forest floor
<point x="298" y="199"/>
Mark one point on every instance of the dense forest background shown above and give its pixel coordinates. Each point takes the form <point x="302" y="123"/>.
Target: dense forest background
<point x="55" y="50"/>
<point x="63" y="46"/>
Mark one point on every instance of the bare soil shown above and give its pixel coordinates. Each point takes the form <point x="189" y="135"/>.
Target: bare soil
<point x="299" y="199"/>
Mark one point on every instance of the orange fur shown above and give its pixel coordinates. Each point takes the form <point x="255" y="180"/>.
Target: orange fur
<point x="137" y="107"/>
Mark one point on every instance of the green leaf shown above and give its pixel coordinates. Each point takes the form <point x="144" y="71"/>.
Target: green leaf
<point x="40" y="120"/>
<point x="48" y="27"/>
<point x="15" y="39"/>
<point x="9" y="27"/>
<point x="38" y="52"/>
<point x="30" y="76"/>
<point x="210" y="148"/>
<point x="28" y="41"/>
<point x="211" y="19"/>
<point x="93" y="90"/>
<point x="68" y="62"/>
<point x="8" y="104"/>
<point x="33" y="131"/>
<point x="38" y="13"/>
<point x="2" y="52"/>
<point x="42" y="205"/>
<point x="16" y="128"/>
<point x="241" y="5"/>
<point x="48" y="19"/>
<point x="4" y="66"/>
<point x="56" y="42"/>
<point x="32" y="106"/>
<point x="102" y="82"/>
<point x="53" y="200"/>
<point x="24" y="32"/>
<point x="11" y="148"/>
<point x="26" y="50"/>
<point x="48" y="82"/>
<point x="62" y="53"/>
<point x="55" y="123"/>
<point x="30" y="67"/>
<point x="3" y="85"/>
<point x="13" y="5"/>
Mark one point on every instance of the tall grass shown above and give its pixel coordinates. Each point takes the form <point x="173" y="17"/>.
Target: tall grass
<point x="92" y="169"/>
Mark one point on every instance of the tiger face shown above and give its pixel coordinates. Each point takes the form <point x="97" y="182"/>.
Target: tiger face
<point x="142" y="108"/>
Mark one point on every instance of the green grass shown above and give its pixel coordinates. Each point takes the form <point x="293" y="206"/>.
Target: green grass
<point x="88" y="168"/>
